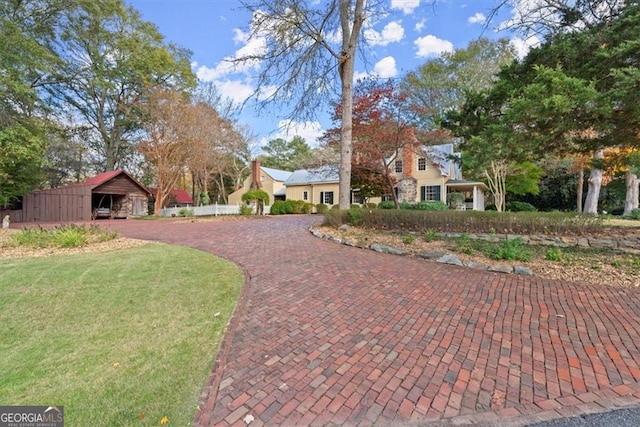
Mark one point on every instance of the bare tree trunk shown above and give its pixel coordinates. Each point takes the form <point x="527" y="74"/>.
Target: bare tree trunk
<point x="580" y="190"/>
<point x="595" y="183"/>
<point x="496" y="178"/>
<point x="350" y="33"/>
<point x="631" y="200"/>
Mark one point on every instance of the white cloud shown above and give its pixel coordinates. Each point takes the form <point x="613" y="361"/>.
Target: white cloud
<point x="478" y="18"/>
<point x="406" y="6"/>
<point x="235" y="90"/>
<point x="420" y="25"/>
<point x="523" y="45"/>
<point x="431" y="45"/>
<point x="310" y="131"/>
<point x="386" y="67"/>
<point x="391" y="33"/>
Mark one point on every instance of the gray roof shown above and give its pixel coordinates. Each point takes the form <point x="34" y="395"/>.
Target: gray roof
<point x="441" y="156"/>
<point x="322" y="174"/>
<point x="276" y="174"/>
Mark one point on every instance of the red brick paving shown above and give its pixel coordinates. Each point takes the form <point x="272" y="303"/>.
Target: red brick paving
<point x="329" y="334"/>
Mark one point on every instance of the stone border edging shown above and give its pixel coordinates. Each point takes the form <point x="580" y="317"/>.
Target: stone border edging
<point x="442" y="258"/>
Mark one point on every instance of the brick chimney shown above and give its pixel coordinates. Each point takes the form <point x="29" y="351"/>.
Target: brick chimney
<point x="255" y="175"/>
<point x="408" y="162"/>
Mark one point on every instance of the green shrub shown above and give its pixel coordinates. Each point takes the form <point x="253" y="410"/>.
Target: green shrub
<point x="255" y="195"/>
<point x="512" y="250"/>
<point x="409" y="239"/>
<point x="430" y="235"/>
<point x="552" y="223"/>
<point x="335" y="207"/>
<point x="454" y="200"/>
<point x="321" y="208"/>
<point x="386" y="204"/>
<point x="553" y="254"/>
<point x="277" y="208"/>
<point x="406" y="205"/>
<point x="354" y="206"/>
<point x="355" y="216"/>
<point x="371" y="205"/>
<point x="66" y="236"/>
<point x="185" y="212"/>
<point x="635" y="214"/>
<point x="520" y="207"/>
<point x="490" y="207"/>
<point x="70" y="237"/>
<point x="246" y="209"/>
<point x="301" y="207"/>
<point x="464" y="244"/>
<point x="431" y="205"/>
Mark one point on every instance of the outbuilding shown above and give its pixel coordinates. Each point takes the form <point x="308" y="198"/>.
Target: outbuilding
<point x="113" y="194"/>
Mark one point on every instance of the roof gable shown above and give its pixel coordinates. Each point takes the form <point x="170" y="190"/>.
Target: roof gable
<point x="322" y="174"/>
<point x="276" y="174"/>
<point x="102" y="178"/>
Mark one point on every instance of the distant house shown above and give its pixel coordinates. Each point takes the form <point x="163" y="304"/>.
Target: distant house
<point x="317" y="185"/>
<point x="431" y="173"/>
<point x="178" y="198"/>
<point x="113" y="194"/>
<point x="426" y="174"/>
<point x="270" y="180"/>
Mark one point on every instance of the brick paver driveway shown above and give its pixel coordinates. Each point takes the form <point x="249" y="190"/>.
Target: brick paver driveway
<point x="328" y="334"/>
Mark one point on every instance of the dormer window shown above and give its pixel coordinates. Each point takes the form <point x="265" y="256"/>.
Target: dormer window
<point x="422" y="164"/>
<point x="398" y="166"/>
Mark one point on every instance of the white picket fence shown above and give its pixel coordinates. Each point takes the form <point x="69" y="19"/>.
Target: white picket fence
<point x="208" y="210"/>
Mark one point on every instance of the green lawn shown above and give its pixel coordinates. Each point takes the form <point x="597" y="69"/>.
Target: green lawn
<point x="118" y="338"/>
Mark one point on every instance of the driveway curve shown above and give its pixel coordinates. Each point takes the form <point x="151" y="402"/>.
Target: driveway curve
<point x="326" y="334"/>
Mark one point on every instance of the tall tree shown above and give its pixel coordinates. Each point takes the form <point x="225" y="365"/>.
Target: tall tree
<point x="384" y="126"/>
<point x="440" y="85"/>
<point x="300" y="59"/>
<point x="287" y="155"/>
<point x="27" y="34"/>
<point x="111" y="58"/>
<point x="170" y="118"/>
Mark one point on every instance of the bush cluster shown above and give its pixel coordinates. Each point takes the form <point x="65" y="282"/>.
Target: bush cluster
<point x="64" y="236"/>
<point x="186" y="212"/>
<point x="280" y="207"/>
<point x="428" y="205"/>
<point x="520" y="207"/>
<point x="553" y="223"/>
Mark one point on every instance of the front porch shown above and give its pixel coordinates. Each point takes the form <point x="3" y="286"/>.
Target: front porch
<point x="473" y="192"/>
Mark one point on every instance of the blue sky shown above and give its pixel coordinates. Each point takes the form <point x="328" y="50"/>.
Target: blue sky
<point x="414" y="32"/>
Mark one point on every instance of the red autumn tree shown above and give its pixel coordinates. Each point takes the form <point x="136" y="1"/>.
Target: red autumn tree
<point x="384" y="120"/>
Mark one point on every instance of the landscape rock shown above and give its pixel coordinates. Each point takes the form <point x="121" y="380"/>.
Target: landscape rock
<point x="501" y="269"/>
<point x="431" y="255"/>
<point x="523" y="271"/>
<point x="476" y="265"/>
<point x="343" y="227"/>
<point x="450" y="259"/>
<point x="388" y="249"/>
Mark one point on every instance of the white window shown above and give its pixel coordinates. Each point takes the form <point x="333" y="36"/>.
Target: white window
<point x="398" y="166"/>
<point x="422" y="164"/>
<point x="326" y="197"/>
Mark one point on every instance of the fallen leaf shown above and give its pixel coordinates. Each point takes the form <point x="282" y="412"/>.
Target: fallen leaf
<point x="141" y="416"/>
<point x="248" y="419"/>
<point x="116" y="364"/>
<point x="164" y="420"/>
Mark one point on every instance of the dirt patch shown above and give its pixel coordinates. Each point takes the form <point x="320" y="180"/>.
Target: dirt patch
<point x="584" y="267"/>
